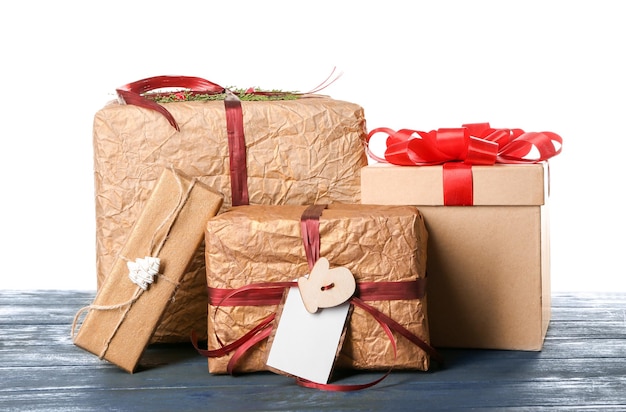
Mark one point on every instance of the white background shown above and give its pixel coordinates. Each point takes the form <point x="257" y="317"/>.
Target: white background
<point x="537" y="65"/>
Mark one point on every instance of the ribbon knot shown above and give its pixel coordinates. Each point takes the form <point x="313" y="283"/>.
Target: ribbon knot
<point x="458" y="149"/>
<point x="474" y="144"/>
<point x="142" y="271"/>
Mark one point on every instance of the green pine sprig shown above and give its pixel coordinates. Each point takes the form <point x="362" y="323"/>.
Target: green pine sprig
<point x="186" y="96"/>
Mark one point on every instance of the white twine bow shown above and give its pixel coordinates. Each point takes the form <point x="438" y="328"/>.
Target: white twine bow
<point x="142" y="271"/>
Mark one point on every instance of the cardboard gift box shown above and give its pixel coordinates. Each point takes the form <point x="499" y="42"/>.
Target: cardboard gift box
<point x="489" y="263"/>
<point x="297" y="151"/>
<point x="125" y="313"/>
<point x="382" y="246"/>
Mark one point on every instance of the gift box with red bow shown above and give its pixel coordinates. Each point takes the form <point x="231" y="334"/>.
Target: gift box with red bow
<point x="483" y="193"/>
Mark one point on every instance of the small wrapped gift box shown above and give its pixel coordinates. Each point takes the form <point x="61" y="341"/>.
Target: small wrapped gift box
<point x="383" y="246"/>
<point x="488" y="248"/>
<point x="148" y="270"/>
<point x="293" y="151"/>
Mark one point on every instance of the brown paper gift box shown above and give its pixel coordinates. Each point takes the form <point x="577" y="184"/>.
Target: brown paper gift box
<point x="298" y="152"/>
<point x="123" y="317"/>
<point x="488" y="264"/>
<point x="253" y="244"/>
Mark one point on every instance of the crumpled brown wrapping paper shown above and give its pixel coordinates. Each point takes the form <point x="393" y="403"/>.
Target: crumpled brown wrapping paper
<point x="253" y="244"/>
<point x="298" y="152"/>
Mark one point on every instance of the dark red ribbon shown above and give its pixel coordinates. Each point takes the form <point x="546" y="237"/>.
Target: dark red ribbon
<point x="236" y="150"/>
<point x="458" y="149"/>
<point x="132" y="93"/>
<point x="310" y="230"/>
<point x="271" y="293"/>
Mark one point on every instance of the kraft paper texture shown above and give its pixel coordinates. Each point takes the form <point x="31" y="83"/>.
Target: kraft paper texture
<point x="301" y="151"/>
<point x="252" y="244"/>
<point x="488" y="264"/>
<point x="123" y="317"/>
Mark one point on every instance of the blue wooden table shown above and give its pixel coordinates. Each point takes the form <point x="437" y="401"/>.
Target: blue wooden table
<point x="582" y="367"/>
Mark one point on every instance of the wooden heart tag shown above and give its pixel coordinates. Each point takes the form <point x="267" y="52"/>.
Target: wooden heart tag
<point x="325" y="287"/>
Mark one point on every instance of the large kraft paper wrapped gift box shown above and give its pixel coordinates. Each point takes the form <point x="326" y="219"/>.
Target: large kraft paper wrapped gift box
<point x="258" y="244"/>
<point x="488" y="264"/>
<point x="298" y="152"/>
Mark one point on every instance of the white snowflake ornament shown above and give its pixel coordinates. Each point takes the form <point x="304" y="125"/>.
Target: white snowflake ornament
<point x="142" y="271"/>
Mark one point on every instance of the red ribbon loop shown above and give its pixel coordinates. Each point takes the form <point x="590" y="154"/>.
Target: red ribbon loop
<point x="132" y="93"/>
<point x="475" y="144"/>
<point x="460" y="148"/>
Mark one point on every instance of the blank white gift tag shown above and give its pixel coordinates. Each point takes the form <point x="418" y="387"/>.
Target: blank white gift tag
<point x="305" y="344"/>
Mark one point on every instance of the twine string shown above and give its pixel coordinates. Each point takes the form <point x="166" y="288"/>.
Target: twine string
<point x="154" y="251"/>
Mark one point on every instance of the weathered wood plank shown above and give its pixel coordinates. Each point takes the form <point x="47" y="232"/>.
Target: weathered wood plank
<point x="35" y="315"/>
<point x="191" y="372"/>
<point x="267" y="392"/>
<point x="66" y="298"/>
<point x="52" y="344"/>
<point x="580" y="368"/>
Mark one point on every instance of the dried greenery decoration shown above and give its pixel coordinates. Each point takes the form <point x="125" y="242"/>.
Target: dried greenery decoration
<point x="250" y="94"/>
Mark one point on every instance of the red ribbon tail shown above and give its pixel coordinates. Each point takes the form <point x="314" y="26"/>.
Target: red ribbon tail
<point x="258" y="336"/>
<point x="243" y="341"/>
<point x="458" y="184"/>
<point x="140" y="101"/>
<point x="131" y="93"/>
<point x="475" y="144"/>
<point x="395" y="326"/>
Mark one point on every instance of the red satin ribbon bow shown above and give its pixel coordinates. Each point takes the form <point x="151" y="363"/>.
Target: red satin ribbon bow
<point x="458" y="149"/>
